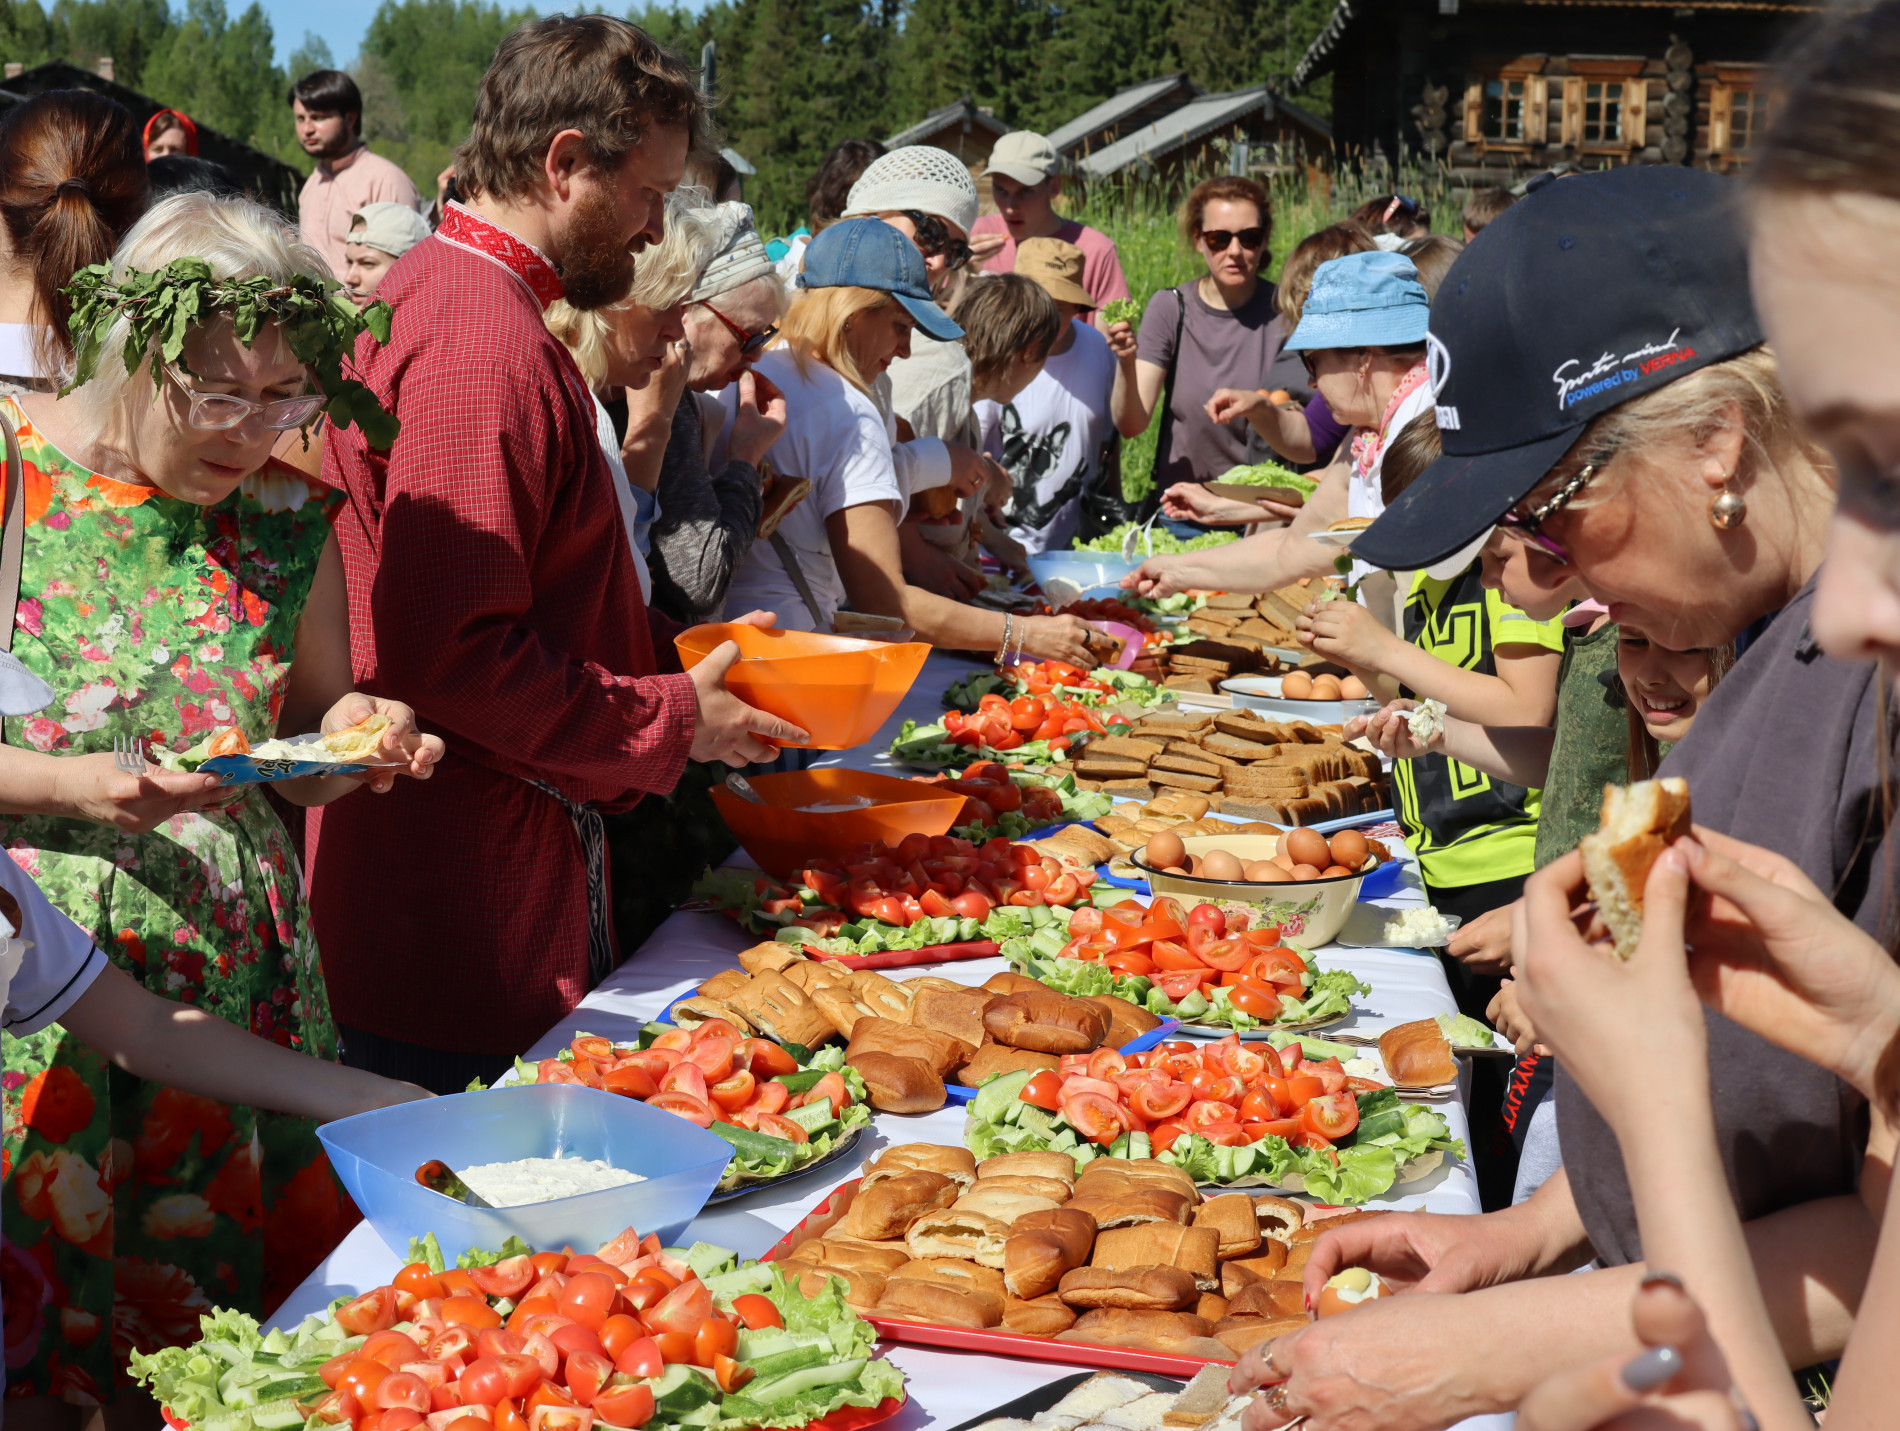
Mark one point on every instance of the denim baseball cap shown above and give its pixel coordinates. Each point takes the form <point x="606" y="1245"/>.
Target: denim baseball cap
<point x="1593" y="290"/>
<point x="869" y="253"/>
<point x="1364" y="300"/>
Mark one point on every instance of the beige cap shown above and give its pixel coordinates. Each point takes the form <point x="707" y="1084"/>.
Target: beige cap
<point x="1025" y="157"/>
<point x="393" y="228"/>
<point x="1057" y="266"/>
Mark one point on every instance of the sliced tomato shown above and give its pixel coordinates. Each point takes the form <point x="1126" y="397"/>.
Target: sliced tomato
<point x="693" y="1110"/>
<point x="1254" y="1002"/>
<point x="1131" y="962"/>
<point x="731" y="1375"/>
<point x="1044" y="1090"/>
<point x="628" y="1406"/>
<point x="372" y="1312"/>
<point x="732" y="1094"/>
<point x="1227" y="1135"/>
<point x="641" y="1359"/>
<point x="712" y="1054"/>
<point x="766" y="1059"/>
<point x="418" y="1281"/>
<point x="392" y="1348"/>
<point x="676" y="1348"/>
<point x="683" y="1309"/>
<point x="470" y="1312"/>
<point x="508" y="1417"/>
<point x="1217" y="1087"/>
<point x="1095" y="1117"/>
<point x="630" y="1080"/>
<point x="619" y="1332"/>
<point x="1155" y="1101"/>
<point x="1327" y="1071"/>
<point x="688" y="1078"/>
<point x="1086" y="921"/>
<point x="1105" y="1063"/>
<point x="715" y="1338"/>
<point x="361" y="1378"/>
<point x="551" y="1416"/>
<point x="1062" y="889"/>
<point x="507" y="1278"/>
<point x="450" y="1342"/>
<point x="403" y="1389"/>
<point x="831" y="1086"/>
<point x="756" y="1311"/>
<point x="1207" y="1111"/>
<point x="1272" y="1128"/>
<point x="1173" y="957"/>
<point x="1303" y="1089"/>
<point x="588" y="1299"/>
<point x="1332" y="1116"/>
<point x="586" y="1373"/>
<point x="1178" y="985"/>
<point x="972" y="905"/>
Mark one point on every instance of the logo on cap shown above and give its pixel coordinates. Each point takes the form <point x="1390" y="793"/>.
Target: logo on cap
<point x="1437" y="363"/>
<point x="1609" y="371"/>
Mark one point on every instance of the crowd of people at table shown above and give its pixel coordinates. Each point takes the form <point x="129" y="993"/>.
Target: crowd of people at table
<point x="1628" y="455"/>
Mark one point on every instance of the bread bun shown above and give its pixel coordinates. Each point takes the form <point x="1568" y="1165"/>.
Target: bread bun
<point x="1194" y="1250"/>
<point x="1241" y="1334"/>
<point x="887" y="1209"/>
<point x="1418" y="1055"/>
<point x="957" y="1164"/>
<point x="1037" y="1317"/>
<point x="1033" y="1165"/>
<point x="896" y="1084"/>
<point x="1232" y="1217"/>
<point x="994" y="1058"/>
<point x="1269" y="1299"/>
<point x="1042" y="1247"/>
<point x="1054" y="1190"/>
<point x="1047" y="1022"/>
<point x="1638" y="823"/>
<point x="1009" y="982"/>
<point x="914" y="1300"/>
<point x="958" y="1232"/>
<point x="1166" y="1289"/>
<point x="851" y="1256"/>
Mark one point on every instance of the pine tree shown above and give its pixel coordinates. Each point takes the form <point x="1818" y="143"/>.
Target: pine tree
<point x="991" y="50"/>
<point x="1097" y="48"/>
<point x="221" y="72"/>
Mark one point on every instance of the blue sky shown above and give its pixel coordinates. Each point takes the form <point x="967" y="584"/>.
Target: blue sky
<point x="340" y="22"/>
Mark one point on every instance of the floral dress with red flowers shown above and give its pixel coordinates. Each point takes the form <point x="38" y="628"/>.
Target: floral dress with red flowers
<point x="129" y="1208"/>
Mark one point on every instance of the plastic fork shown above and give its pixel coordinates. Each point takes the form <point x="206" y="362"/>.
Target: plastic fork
<point x="1143" y="534"/>
<point x="128" y="753"/>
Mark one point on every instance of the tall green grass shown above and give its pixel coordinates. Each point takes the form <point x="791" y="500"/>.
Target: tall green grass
<point x="1141" y="216"/>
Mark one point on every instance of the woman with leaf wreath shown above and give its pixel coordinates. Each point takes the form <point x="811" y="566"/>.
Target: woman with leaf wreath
<point x="174" y="581"/>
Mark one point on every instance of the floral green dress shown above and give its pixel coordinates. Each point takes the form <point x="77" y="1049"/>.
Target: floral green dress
<point x="130" y="1208"/>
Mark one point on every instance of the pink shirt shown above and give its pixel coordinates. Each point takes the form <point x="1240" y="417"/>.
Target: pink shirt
<point x="1101" y="269"/>
<point x="337" y="189"/>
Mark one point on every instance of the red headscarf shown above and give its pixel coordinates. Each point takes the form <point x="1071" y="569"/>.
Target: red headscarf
<point x="184" y="121"/>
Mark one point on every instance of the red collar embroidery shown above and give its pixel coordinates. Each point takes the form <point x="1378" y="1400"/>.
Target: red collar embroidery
<point x="467" y="229"/>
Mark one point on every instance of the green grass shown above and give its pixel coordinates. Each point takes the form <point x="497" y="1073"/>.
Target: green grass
<point x="1141" y="218"/>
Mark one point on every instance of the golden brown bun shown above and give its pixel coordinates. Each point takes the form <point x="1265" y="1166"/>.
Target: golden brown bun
<point x="1418" y="1055"/>
<point x="993" y="1058"/>
<point x="888" y="998"/>
<point x="1296" y="1259"/>
<point x="1264" y="1266"/>
<point x="1136" y="1173"/>
<point x="958" y="1233"/>
<point x="1037" y="1317"/>
<point x="915" y="1300"/>
<point x="939" y="1052"/>
<point x="897" y="1084"/>
<point x="888" y="1209"/>
<point x="724" y="983"/>
<point x="1008" y="982"/>
<point x="1269" y="1299"/>
<point x="1127" y="1021"/>
<point x="1239" y="1334"/>
<point x="782" y="1010"/>
<point x="691" y="1013"/>
<point x="1165" y="1289"/>
<point x="1212" y="1306"/>
<point x="852" y="1256"/>
<point x="811" y="975"/>
<point x="1031" y="1165"/>
<point x="768" y="957"/>
<point x="957" y="1164"/>
<point x="1055" y="1190"/>
<point x="1177" y="1333"/>
<point x="958" y="1013"/>
<point x="994" y="1200"/>
<point x="1193" y="1250"/>
<point x="1042" y="1247"/>
<point x="1638" y="823"/>
<point x="357" y="742"/>
<point x="841" y="1005"/>
<point x="1279" y="1217"/>
<point x="955" y="1272"/>
<point x="1111" y="1207"/>
<point x="1231" y="1215"/>
<point x="1047" y="1022"/>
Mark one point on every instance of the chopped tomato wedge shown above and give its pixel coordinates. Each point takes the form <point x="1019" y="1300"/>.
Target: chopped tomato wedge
<point x="628" y="1406"/>
<point x="1154" y="1101"/>
<point x="1044" y="1090"/>
<point x="1332" y="1117"/>
<point x="507" y="1278"/>
<point x="694" y="1110"/>
<point x="1096" y="1118"/>
<point x="372" y="1312"/>
<point x="682" y="1309"/>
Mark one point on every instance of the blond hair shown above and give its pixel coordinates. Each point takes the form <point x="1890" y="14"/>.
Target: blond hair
<point x="814" y="330"/>
<point x="1321" y="246"/>
<point x="663" y="275"/>
<point x="238" y="238"/>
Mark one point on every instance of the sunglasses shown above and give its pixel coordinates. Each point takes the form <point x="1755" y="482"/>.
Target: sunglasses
<point x="1307" y="355"/>
<point x="1525" y="528"/>
<point x="750" y="344"/>
<point x="1217" y="240"/>
<point x="934" y="241"/>
<point x="220" y="412"/>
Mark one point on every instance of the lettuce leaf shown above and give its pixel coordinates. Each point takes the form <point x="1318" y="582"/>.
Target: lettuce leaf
<point x="1362" y="1173"/>
<point x="480" y="1257"/>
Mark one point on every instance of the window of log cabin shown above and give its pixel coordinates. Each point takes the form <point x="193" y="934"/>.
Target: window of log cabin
<point x="1738" y="115"/>
<point x="1603" y="113"/>
<point x="1504" y="99"/>
<point x="1605" y="105"/>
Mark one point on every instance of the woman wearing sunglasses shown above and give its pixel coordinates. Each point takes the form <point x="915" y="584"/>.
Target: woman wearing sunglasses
<point x="1220" y="331"/>
<point x="174" y="581"/>
<point x="1637" y="436"/>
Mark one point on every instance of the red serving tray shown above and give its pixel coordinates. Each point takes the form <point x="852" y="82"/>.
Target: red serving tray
<point x="899" y="958"/>
<point x="1016" y="1345"/>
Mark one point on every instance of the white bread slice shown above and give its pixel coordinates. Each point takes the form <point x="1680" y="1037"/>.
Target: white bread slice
<point x="1638" y="823"/>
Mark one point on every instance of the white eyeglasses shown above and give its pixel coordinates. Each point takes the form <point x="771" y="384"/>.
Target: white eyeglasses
<point x="219" y="412"/>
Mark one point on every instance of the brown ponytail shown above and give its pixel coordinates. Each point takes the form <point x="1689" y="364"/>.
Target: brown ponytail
<point x="72" y="181"/>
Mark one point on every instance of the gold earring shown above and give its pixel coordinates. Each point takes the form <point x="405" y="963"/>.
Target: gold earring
<point x="1727" y="510"/>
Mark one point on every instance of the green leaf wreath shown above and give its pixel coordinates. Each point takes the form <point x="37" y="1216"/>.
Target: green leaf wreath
<point x="319" y="323"/>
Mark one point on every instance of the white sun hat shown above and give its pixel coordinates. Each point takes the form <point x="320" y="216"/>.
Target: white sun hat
<point x="918" y="176"/>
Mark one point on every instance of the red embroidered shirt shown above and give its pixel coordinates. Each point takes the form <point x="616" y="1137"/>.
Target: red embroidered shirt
<point x="491" y="588"/>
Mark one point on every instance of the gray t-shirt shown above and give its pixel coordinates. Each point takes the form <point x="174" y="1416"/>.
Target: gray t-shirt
<point x="1785" y="755"/>
<point x="1220" y="348"/>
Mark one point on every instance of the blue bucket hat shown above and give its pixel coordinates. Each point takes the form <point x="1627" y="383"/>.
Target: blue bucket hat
<point x="869" y="253"/>
<point x="1364" y="300"/>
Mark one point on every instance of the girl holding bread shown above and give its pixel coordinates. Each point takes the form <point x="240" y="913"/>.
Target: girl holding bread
<point x="1689" y="502"/>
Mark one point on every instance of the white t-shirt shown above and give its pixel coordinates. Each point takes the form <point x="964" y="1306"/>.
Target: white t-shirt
<point x="58" y="965"/>
<point x="623" y="489"/>
<point x="835" y="438"/>
<point x="1050" y="440"/>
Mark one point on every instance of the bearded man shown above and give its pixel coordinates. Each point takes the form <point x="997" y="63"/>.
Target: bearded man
<point x="488" y="572"/>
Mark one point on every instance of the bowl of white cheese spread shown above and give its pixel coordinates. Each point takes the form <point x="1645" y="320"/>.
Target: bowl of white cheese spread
<point x="559" y="1163"/>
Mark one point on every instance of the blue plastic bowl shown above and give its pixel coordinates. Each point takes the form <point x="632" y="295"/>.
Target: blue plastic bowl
<point x="377" y="1154"/>
<point x="1097" y="573"/>
<point x="1387" y="879"/>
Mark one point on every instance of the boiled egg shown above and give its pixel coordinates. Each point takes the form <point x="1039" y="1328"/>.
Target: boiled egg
<point x="1349" y="848"/>
<point x="1353" y="689"/>
<point x="1165" y="850"/>
<point x="1326" y="688"/>
<point x="1348" y="1289"/>
<point x="1218" y="864"/>
<point x="1296" y="686"/>
<point x="1308" y="847"/>
<point x="1334" y="872"/>
<point x="1305" y="872"/>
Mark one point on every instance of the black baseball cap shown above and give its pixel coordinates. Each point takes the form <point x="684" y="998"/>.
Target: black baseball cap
<point x="1593" y="290"/>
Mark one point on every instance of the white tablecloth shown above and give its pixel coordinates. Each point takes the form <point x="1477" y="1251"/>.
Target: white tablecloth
<point x="946" y="1388"/>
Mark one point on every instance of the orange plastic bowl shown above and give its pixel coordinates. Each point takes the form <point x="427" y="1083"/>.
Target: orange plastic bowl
<point x="838" y="689"/>
<point x="782" y="837"/>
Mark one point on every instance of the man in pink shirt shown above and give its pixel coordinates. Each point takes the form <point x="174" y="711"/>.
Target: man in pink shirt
<point x="1024" y="180"/>
<point x="329" y="113"/>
